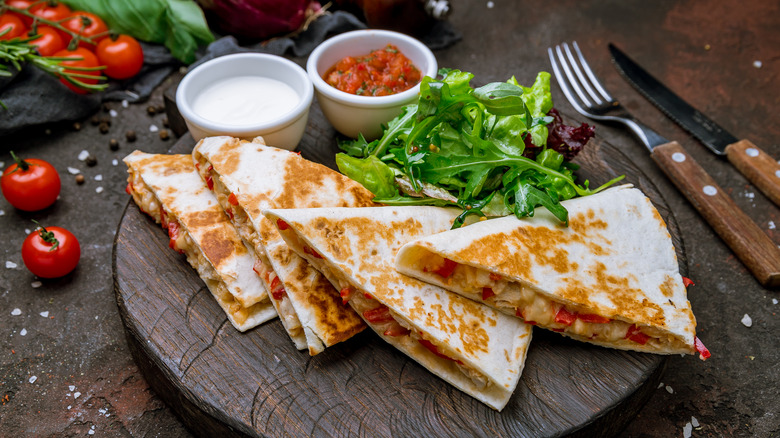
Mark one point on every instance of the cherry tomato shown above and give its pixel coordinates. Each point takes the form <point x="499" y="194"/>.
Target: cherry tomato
<point x="30" y="184"/>
<point x="51" y="252"/>
<point x="88" y="59"/>
<point x="51" y="11"/>
<point x="49" y="42"/>
<point x="87" y="25"/>
<point x="122" y="56"/>
<point x="11" y="24"/>
<point x="21" y="4"/>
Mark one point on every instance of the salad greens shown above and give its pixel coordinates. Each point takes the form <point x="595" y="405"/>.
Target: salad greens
<point x="496" y="150"/>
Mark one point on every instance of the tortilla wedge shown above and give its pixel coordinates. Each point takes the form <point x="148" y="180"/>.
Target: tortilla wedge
<point x="475" y="348"/>
<point x="610" y="278"/>
<point x="247" y="177"/>
<point x="167" y="188"/>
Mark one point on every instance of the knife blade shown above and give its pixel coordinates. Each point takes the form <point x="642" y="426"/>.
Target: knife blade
<point x="756" y="165"/>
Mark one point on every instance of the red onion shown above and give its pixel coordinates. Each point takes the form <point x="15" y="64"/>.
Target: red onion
<point x="260" y="19"/>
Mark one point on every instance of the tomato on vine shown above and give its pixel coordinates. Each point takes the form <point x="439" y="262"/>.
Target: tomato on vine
<point x="49" y="41"/>
<point x="22" y="4"/>
<point x="30" y="184"/>
<point x="87" y="25"/>
<point x="81" y="58"/>
<point x="50" y="10"/>
<point x="11" y="26"/>
<point x="51" y="252"/>
<point x="122" y="55"/>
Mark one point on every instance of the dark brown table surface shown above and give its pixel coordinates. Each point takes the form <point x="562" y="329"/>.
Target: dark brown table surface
<point x="65" y="369"/>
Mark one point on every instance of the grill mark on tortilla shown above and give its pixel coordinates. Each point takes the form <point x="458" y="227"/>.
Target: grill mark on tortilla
<point x="217" y="247"/>
<point x="310" y="178"/>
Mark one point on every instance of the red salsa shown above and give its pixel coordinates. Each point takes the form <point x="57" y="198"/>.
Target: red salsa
<point x="380" y="73"/>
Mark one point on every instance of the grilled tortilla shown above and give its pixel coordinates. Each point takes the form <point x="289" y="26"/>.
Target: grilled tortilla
<point x="167" y="188"/>
<point x="475" y="348"/>
<point x="248" y="177"/>
<point x="610" y="278"/>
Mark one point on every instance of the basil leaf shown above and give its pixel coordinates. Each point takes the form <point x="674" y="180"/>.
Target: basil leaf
<point x="178" y="24"/>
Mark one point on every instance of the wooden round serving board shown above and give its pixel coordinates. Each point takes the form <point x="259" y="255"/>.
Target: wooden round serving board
<point x="221" y="381"/>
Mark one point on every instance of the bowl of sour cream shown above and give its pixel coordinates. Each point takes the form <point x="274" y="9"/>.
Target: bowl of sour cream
<point x="246" y="95"/>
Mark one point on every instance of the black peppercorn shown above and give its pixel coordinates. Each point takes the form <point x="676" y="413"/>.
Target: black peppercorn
<point x="130" y="135"/>
<point x="79" y="179"/>
<point x="103" y="127"/>
<point x="91" y="161"/>
<point x="113" y="144"/>
<point x="164" y="134"/>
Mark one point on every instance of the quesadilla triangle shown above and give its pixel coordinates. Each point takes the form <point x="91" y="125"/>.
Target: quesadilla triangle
<point x="475" y="348"/>
<point x="610" y="278"/>
<point x="247" y="177"/>
<point x="167" y="188"/>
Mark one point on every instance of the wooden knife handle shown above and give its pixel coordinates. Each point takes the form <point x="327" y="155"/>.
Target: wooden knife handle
<point x="757" y="166"/>
<point x="750" y="244"/>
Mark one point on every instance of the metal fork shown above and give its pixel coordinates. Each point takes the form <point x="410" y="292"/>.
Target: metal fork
<point x="594" y="100"/>
<point x="586" y="94"/>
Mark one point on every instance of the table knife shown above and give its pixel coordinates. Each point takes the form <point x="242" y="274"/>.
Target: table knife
<point x="757" y="166"/>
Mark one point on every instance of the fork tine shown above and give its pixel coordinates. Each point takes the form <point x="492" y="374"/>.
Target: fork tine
<point x="571" y="77"/>
<point x="591" y="75"/>
<point x="563" y="84"/>
<point x="583" y="80"/>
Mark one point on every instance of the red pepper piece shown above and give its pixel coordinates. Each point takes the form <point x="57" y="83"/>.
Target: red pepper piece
<point x="274" y="283"/>
<point x="688" y="282"/>
<point x="592" y="317"/>
<point x="446" y="269"/>
<point x="282" y="225"/>
<point x="173" y="233"/>
<point x="397" y="330"/>
<point x="129" y="188"/>
<point x="487" y="293"/>
<point x="232" y="199"/>
<point x="368" y="295"/>
<point x="636" y="335"/>
<point x="435" y="350"/>
<point x="704" y="353"/>
<point x="258" y="268"/>
<point x="163" y="217"/>
<point x="378" y="315"/>
<point x="311" y="252"/>
<point x="210" y="182"/>
<point x="495" y="277"/>
<point x="565" y="317"/>
<point x="345" y="295"/>
<point x="278" y="294"/>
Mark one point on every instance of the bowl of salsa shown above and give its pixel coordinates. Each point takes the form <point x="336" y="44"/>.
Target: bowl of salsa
<point x="362" y="79"/>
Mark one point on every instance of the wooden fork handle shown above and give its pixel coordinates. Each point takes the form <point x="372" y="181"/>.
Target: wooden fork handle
<point x="757" y="166"/>
<point x="748" y="242"/>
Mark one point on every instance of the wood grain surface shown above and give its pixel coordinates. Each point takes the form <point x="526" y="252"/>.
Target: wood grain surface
<point x="222" y="382"/>
<point x="749" y="242"/>
<point x="758" y="166"/>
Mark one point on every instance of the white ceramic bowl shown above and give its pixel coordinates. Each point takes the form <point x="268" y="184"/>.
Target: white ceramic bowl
<point x="351" y="114"/>
<point x="285" y="131"/>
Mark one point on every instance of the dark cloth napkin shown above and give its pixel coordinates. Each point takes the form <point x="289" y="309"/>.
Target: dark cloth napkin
<point x="35" y="98"/>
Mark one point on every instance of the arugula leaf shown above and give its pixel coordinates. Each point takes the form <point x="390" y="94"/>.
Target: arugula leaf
<point x="471" y="143"/>
<point x="178" y="24"/>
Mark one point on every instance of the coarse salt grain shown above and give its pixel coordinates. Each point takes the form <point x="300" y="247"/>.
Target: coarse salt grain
<point x="114" y="162"/>
<point x="23" y="332"/>
<point x="33" y="379"/>
<point x="16" y="312"/>
<point x="99" y="190"/>
<point x="36" y="284"/>
<point x="490" y="5"/>
<point x="153" y="128"/>
<point x="71" y="388"/>
<point x="772" y="225"/>
<point x="694" y="422"/>
<point x="125" y="104"/>
<point x="91" y="432"/>
<point x="76" y="395"/>
<point x="11" y="265"/>
<point x="73" y="171"/>
<point x="774" y="300"/>
<point x="113" y="113"/>
<point x="687" y="430"/>
<point x="44" y="314"/>
<point x="2" y="164"/>
<point x="2" y="212"/>
<point x="747" y="321"/>
<point x="669" y="389"/>
<point x="750" y="195"/>
<point x="98" y="177"/>
<point x="83" y="155"/>
<point x="757" y="64"/>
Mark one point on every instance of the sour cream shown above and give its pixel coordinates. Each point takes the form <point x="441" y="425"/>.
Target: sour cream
<point x="245" y="100"/>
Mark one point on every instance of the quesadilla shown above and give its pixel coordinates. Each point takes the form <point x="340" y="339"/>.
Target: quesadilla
<point x="610" y="278"/>
<point x="247" y="177"/>
<point x="167" y="188"/>
<point x="475" y="348"/>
